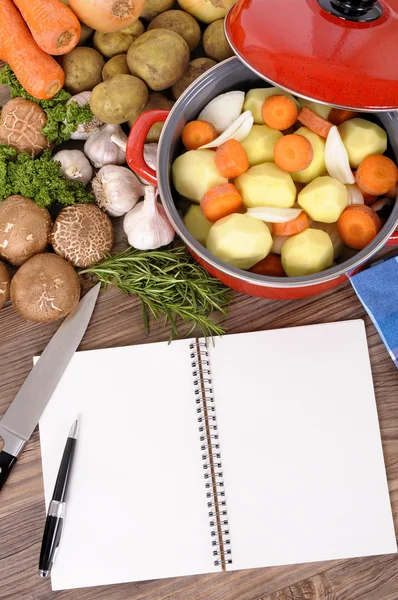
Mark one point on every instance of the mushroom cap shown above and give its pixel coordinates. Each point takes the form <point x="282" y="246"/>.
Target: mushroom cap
<point x="46" y="288"/>
<point x="5" y="280"/>
<point x="21" y="126"/>
<point x="25" y="229"/>
<point x="82" y="234"/>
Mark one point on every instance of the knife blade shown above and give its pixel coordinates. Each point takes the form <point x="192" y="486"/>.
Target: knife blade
<point x="24" y="412"/>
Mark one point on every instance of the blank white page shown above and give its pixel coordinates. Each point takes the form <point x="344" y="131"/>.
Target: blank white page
<point x="137" y="506"/>
<point x="301" y="451"/>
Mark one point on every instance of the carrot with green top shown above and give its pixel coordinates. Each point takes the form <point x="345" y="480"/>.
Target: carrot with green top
<point x="54" y="27"/>
<point x="279" y="112"/>
<point x="40" y="75"/>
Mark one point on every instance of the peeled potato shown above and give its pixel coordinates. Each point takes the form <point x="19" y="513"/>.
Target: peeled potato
<point x="361" y="138"/>
<point x="259" y="144"/>
<point x="332" y="230"/>
<point x="323" y="110"/>
<point x="266" y="185"/>
<point x="197" y="224"/>
<point x="307" y="252"/>
<point x="194" y="173"/>
<point x="324" y="199"/>
<point x="255" y="99"/>
<point x="239" y="240"/>
<point x="317" y="166"/>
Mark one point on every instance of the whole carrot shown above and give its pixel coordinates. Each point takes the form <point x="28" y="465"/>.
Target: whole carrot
<point x="54" y="27"/>
<point x="37" y="72"/>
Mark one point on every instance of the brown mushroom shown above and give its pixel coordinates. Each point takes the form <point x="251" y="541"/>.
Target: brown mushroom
<point x="21" y="126"/>
<point x="82" y="234"/>
<point x="24" y="229"/>
<point x="46" y="288"/>
<point x="5" y="280"/>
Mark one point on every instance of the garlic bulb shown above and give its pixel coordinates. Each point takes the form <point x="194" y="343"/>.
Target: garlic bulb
<point x="150" y="153"/>
<point x="84" y="130"/>
<point x="100" y="149"/>
<point x="74" y="165"/>
<point x="146" y="225"/>
<point x="116" y="190"/>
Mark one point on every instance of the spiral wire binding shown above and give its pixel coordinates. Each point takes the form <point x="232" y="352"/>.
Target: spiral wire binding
<point x="211" y="456"/>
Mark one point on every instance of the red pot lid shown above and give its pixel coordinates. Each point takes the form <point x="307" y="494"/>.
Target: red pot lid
<point x="340" y="52"/>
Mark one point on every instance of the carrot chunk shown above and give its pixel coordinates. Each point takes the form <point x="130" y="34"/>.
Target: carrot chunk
<point x="338" y="116"/>
<point x="377" y="174"/>
<point x="220" y="201"/>
<point x="297" y="225"/>
<point x="198" y="133"/>
<point x="231" y="159"/>
<point x="358" y="225"/>
<point x="279" y="112"/>
<point x="271" y="266"/>
<point x="314" y="122"/>
<point x="293" y="153"/>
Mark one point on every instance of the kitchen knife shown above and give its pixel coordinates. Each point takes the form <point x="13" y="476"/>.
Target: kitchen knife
<point x="24" y="413"/>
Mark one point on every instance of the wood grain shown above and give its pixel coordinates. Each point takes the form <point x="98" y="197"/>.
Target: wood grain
<point x="117" y="322"/>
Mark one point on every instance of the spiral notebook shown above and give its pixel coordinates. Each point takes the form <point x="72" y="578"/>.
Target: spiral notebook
<point x="261" y="450"/>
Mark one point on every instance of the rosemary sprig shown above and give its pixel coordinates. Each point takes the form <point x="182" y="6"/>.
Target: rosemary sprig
<point x="170" y="284"/>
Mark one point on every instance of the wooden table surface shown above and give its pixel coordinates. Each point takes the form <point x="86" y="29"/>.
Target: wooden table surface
<point x="117" y="322"/>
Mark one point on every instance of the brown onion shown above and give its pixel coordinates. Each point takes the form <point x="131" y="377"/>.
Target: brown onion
<point x="107" y="15"/>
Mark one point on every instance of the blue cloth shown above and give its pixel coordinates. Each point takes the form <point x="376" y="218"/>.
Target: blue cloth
<point x="377" y="289"/>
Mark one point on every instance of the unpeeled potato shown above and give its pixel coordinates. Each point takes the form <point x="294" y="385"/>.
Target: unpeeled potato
<point x="266" y="185"/>
<point x="239" y="240"/>
<point x="194" y="173"/>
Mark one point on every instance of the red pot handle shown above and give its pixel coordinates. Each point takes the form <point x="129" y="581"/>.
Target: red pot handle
<point x="393" y="241"/>
<point x="136" y="142"/>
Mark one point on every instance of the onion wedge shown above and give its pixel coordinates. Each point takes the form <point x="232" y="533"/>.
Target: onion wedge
<point x="336" y="158"/>
<point x="238" y="130"/>
<point x="223" y="110"/>
<point x="271" y="214"/>
<point x="354" y="195"/>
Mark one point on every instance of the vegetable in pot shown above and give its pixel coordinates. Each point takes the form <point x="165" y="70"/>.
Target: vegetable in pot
<point x="324" y="199"/>
<point x="317" y="166"/>
<point x="5" y="281"/>
<point x="82" y="234"/>
<point x="310" y="251"/>
<point x="358" y="225"/>
<point x="46" y="288"/>
<point x="194" y="173"/>
<point x="37" y="72"/>
<point x="361" y="138"/>
<point x="256" y="97"/>
<point x="239" y="240"/>
<point x="54" y="27"/>
<point x="197" y="224"/>
<point x="266" y="185"/>
<point x="260" y="143"/>
<point x="24" y="229"/>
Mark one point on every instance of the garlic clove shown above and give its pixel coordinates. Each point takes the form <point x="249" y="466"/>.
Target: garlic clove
<point x="238" y="130"/>
<point x="116" y="190"/>
<point x="223" y="110"/>
<point x="74" y="165"/>
<point x="354" y="195"/>
<point x="146" y="225"/>
<point x="101" y="150"/>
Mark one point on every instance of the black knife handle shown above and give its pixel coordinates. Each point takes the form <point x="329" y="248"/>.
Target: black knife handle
<point x="7" y="462"/>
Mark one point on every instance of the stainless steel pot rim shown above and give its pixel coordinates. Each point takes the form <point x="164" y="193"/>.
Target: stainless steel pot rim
<point x="251" y="278"/>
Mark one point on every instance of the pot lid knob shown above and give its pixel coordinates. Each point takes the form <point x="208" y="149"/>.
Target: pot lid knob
<point x="339" y="52"/>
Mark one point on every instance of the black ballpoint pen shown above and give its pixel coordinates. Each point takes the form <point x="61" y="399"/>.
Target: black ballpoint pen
<point x="56" y="510"/>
